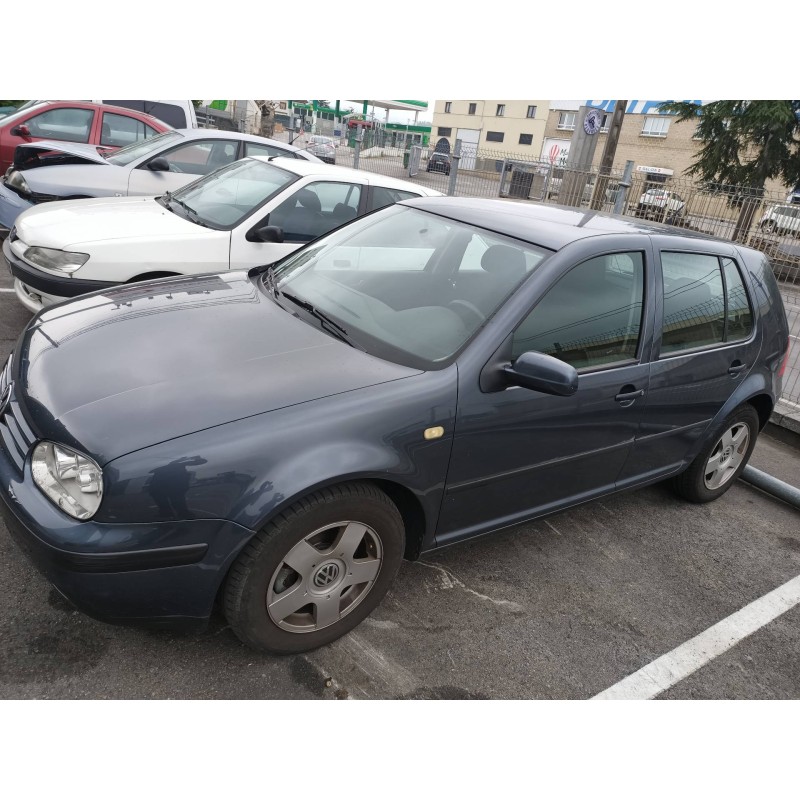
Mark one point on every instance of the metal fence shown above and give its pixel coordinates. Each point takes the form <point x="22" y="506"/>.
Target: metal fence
<point x="759" y="219"/>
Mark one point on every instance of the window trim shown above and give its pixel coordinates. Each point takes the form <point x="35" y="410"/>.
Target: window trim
<point x="472" y="109"/>
<point x="190" y="143"/>
<point x="501" y="110"/>
<point x="447" y="106"/>
<point x="528" y="114"/>
<point x="501" y="134"/>
<point x="525" y="143"/>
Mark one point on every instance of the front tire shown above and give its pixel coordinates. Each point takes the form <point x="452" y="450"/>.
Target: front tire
<point x="717" y="466"/>
<point x="316" y="571"/>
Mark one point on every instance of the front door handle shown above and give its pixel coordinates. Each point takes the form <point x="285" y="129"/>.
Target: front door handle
<point x="628" y="395"/>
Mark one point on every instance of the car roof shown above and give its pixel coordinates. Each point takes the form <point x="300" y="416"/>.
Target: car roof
<point x="305" y="168"/>
<point x="550" y="226"/>
<point x="211" y="133"/>
<point x="131" y="112"/>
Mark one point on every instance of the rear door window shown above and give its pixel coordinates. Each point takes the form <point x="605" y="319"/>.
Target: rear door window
<point x="705" y="302"/>
<point x="119" y="130"/>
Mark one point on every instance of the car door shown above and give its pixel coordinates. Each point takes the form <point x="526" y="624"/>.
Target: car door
<point x="186" y="163"/>
<point x="518" y="452"/>
<point x="306" y="211"/>
<point x="704" y="348"/>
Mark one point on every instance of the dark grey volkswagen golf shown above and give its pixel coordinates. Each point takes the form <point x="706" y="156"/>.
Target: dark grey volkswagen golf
<point x="280" y="439"/>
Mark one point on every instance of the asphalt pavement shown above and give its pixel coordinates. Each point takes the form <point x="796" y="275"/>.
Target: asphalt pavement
<point x="565" y="607"/>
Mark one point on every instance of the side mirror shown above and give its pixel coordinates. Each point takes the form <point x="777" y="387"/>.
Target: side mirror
<point x="542" y="373"/>
<point x="267" y="233"/>
<point x="21" y="130"/>
<point x="159" y="164"/>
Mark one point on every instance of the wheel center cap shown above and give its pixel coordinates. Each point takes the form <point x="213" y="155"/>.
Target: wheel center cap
<point x="327" y="575"/>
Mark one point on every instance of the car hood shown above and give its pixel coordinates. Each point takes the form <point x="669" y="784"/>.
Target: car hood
<point x="73" y="223"/>
<point x="134" y="366"/>
<point x="86" y="152"/>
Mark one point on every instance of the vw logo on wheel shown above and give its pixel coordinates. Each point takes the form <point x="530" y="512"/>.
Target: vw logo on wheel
<point x="326" y="575"/>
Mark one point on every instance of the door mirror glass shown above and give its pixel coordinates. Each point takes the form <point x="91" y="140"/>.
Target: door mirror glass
<point x="21" y="130"/>
<point x="543" y="373"/>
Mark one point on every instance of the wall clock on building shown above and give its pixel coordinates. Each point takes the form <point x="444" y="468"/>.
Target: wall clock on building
<point x="592" y="121"/>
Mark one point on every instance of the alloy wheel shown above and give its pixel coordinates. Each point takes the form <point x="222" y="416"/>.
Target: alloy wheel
<point x="324" y="577"/>
<point x="727" y="455"/>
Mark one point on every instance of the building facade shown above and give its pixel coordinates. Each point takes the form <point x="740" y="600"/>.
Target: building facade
<point x="513" y="127"/>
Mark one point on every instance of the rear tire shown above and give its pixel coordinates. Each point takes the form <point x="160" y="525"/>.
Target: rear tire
<point x="722" y="460"/>
<point x="316" y="571"/>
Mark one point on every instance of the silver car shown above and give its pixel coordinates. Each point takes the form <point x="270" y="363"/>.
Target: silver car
<point x="44" y="171"/>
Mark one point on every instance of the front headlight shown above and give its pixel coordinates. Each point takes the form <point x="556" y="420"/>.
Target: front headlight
<point x="61" y="260"/>
<point x="15" y="180"/>
<point x="72" y="481"/>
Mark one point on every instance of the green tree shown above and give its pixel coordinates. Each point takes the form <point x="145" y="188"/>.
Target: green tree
<point x="745" y="143"/>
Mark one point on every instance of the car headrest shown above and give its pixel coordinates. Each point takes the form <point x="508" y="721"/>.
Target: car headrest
<point x="309" y="200"/>
<point x="508" y="262"/>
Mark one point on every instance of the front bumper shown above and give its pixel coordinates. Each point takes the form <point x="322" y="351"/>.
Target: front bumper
<point x="36" y="289"/>
<point x="162" y="574"/>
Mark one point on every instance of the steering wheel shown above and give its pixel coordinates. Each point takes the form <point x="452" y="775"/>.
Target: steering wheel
<point x="470" y="315"/>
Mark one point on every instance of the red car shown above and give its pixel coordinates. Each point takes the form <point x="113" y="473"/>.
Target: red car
<point x="108" y="126"/>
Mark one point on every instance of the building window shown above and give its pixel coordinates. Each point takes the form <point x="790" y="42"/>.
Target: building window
<point x="444" y="131"/>
<point x="526" y="138"/>
<point x="472" y="108"/>
<point x="605" y="123"/>
<point x="655" y="126"/>
<point x="531" y="112"/>
<point x="566" y="121"/>
<point x="501" y="110"/>
<point x="494" y="136"/>
<point x="447" y="107"/>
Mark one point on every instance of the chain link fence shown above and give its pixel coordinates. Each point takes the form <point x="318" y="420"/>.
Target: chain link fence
<point x="757" y="218"/>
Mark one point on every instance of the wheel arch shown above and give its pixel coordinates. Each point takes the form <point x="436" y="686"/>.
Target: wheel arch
<point x="763" y="405"/>
<point x="151" y="276"/>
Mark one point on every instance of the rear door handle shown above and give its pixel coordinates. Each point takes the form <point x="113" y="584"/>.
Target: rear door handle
<point x="736" y="369"/>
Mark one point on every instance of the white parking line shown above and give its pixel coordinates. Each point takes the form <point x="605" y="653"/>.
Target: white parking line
<point x="6" y="290"/>
<point x="681" y="662"/>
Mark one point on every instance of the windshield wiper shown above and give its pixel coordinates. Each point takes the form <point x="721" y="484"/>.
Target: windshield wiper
<point x="332" y="327"/>
<point x="190" y="212"/>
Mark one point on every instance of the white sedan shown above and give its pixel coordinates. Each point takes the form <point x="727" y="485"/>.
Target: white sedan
<point x="251" y="212"/>
<point x="46" y="171"/>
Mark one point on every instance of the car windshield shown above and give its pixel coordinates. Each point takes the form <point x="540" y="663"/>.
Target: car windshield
<point x="407" y="285"/>
<point x="22" y="111"/>
<point x="132" y="152"/>
<point x="225" y="197"/>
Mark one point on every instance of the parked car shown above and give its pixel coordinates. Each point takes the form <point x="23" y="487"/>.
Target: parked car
<point x="89" y="123"/>
<point x="439" y="162"/>
<point x="554" y="189"/>
<point x="661" y="205"/>
<point x="782" y="219"/>
<point x="251" y="212"/>
<point x="282" y="438"/>
<point x="175" y="113"/>
<point x="43" y="172"/>
<point x="323" y="147"/>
